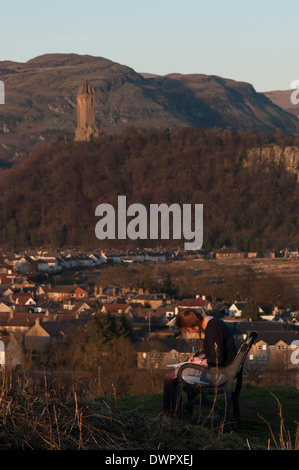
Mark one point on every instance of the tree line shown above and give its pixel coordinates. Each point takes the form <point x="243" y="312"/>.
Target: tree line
<point x="49" y="198"/>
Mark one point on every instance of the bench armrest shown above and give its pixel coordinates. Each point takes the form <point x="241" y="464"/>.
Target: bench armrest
<point x="199" y="367"/>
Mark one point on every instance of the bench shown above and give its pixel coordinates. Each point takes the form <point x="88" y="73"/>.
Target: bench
<point x="231" y="388"/>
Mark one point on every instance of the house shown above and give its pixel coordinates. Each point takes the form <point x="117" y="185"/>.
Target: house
<point x="43" y="333"/>
<point x="17" y="322"/>
<point x="107" y="294"/>
<point x="6" y="292"/>
<point x="47" y="305"/>
<point x="20" y="322"/>
<point x="155" y="257"/>
<point x="136" y="256"/>
<point x="26" y="265"/>
<point x="236" y="309"/>
<point x="76" y="306"/>
<point x="96" y="258"/>
<point x="159" y="353"/>
<point x="21" y="298"/>
<point x="202" y="255"/>
<point x="22" y="284"/>
<point x="116" y="309"/>
<point x="5" y="306"/>
<point x="242" y="328"/>
<point x="48" y="265"/>
<point x="152" y="300"/>
<point x="274" y="350"/>
<point x="85" y="261"/>
<point x="196" y="303"/>
<point x="268" y="254"/>
<point x="273" y="347"/>
<point x="63" y="292"/>
<point x="5" y="280"/>
<point x="290" y="253"/>
<point x="166" y="312"/>
<point x="229" y="253"/>
<point x="11" y="352"/>
<point x="112" y="256"/>
<point x="221" y="308"/>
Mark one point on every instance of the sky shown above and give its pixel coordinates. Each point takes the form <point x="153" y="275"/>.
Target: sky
<point x="254" y="41"/>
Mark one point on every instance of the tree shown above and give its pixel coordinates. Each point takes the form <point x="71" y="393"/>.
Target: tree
<point x="251" y="310"/>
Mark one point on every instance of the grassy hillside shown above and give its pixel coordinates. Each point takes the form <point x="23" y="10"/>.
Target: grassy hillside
<point x="43" y="419"/>
<point x="269" y="417"/>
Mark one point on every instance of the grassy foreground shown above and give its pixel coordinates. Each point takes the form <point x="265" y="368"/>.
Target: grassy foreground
<point x="43" y="419"/>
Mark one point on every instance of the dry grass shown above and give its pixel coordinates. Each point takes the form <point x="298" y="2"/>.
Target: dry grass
<point x="37" y="416"/>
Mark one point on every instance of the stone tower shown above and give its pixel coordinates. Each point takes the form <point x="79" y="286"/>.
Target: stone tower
<point x="86" y="123"/>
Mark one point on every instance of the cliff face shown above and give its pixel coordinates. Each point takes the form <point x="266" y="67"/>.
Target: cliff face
<point x="40" y="101"/>
<point x="288" y="155"/>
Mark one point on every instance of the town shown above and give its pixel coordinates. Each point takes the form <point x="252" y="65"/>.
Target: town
<point x="37" y="309"/>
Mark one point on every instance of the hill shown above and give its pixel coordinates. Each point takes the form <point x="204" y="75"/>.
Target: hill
<point x="250" y="202"/>
<point x="282" y="98"/>
<point x="133" y="423"/>
<point x="40" y="101"/>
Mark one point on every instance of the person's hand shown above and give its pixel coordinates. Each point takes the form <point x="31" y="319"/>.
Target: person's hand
<point x="198" y="360"/>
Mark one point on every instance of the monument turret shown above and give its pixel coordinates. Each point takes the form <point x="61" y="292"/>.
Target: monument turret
<point x="87" y="127"/>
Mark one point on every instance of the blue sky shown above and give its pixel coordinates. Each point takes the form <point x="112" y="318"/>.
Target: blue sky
<point x="252" y="41"/>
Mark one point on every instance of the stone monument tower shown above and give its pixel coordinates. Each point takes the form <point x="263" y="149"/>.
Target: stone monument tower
<point x="86" y="123"/>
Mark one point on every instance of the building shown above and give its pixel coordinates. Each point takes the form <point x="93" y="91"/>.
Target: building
<point x="196" y="303"/>
<point x="274" y="350"/>
<point x="158" y="354"/>
<point x="64" y="292"/>
<point x="236" y="309"/>
<point x="87" y="128"/>
<point x="229" y="253"/>
<point x="11" y="352"/>
<point x="42" y="333"/>
<point x="116" y="309"/>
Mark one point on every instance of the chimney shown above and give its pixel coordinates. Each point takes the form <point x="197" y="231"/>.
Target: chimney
<point x="37" y="323"/>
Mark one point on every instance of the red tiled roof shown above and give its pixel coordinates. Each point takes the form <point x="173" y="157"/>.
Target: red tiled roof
<point x="198" y="302"/>
<point x="22" y="298"/>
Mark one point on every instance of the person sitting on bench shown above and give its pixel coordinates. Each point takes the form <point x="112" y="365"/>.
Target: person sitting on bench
<point x="219" y="350"/>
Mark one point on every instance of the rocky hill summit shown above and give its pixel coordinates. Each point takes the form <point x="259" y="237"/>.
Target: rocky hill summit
<point x="40" y="102"/>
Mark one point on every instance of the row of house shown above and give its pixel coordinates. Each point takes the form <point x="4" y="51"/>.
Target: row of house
<point x="46" y="263"/>
<point x="40" y="314"/>
<point x="274" y="349"/>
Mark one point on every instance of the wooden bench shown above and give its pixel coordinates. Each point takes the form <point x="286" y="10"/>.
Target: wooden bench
<point x="231" y="388"/>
